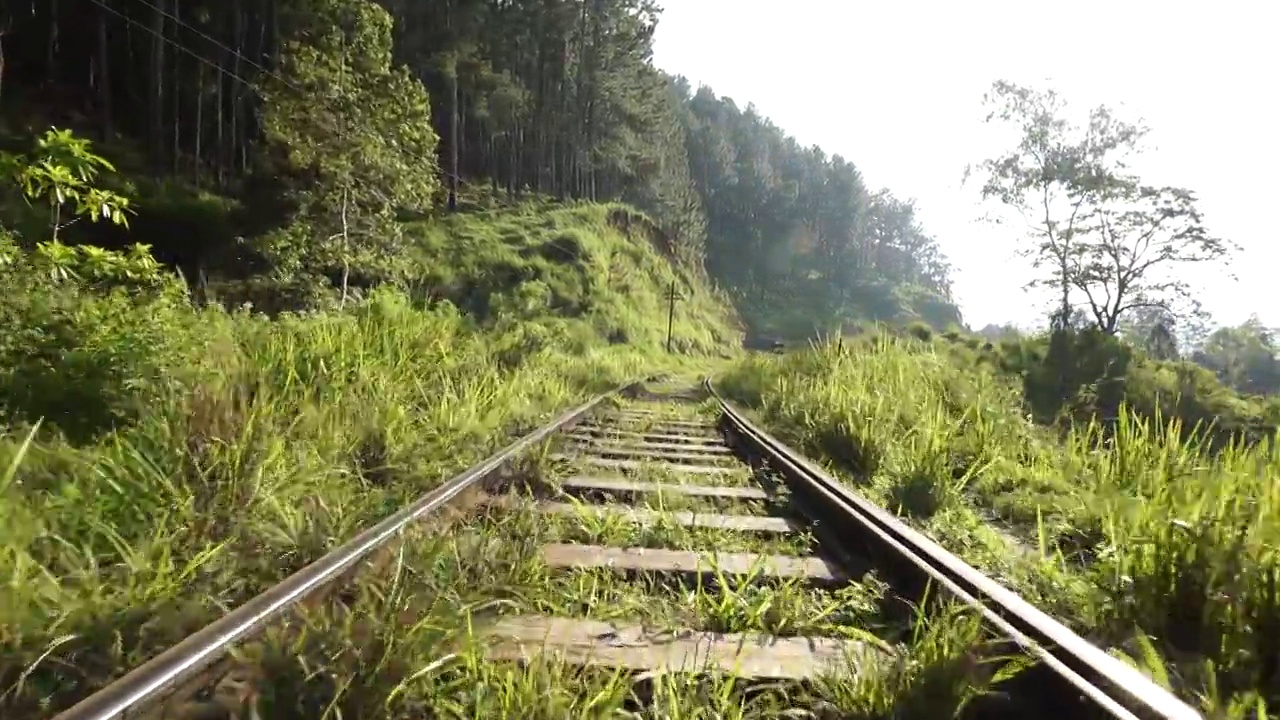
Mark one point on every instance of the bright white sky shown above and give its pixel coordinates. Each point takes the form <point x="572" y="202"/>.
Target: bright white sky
<point x="896" y="87"/>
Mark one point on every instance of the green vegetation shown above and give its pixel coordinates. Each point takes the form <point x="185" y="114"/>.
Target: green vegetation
<point x="594" y="267"/>
<point x="282" y="139"/>
<point x="188" y="458"/>
<point x="1117" y="526"/>
<point x="457" y="584"/>
<point x="1074" y="378"/>
<point x="1112" y="483"/>
<point x="337" y="250"/>
<point x="262" y="444"/>
<point x="1102" y="233"/>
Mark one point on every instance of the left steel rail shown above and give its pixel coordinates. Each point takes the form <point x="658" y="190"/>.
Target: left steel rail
<point x="135" y="694"/>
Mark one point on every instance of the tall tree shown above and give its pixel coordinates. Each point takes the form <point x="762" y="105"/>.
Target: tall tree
<point x="1052" y="174"/>
<point x="355" y="133"/>
<point x="1136" y="234"/>
<point x="1098" y="230"/>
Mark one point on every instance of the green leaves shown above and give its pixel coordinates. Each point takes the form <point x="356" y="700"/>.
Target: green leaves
<point x="799" y="236"/>
<point x="61" y="171"/>
<point x="92" y="264"/>
<point x="357" y="140"/>
<point x="1097" y="231"/>
<point x="357" y="144"/>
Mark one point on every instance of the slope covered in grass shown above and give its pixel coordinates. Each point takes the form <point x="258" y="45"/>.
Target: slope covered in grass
<point x="159" y="463"/>
<point x="1137" y="528"/>
<point x="604" y="271"/>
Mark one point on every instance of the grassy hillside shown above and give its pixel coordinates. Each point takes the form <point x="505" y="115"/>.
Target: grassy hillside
<point x="159" y="463"/>
<point x="598" y="269"/>
<point x="1139" y="527"/>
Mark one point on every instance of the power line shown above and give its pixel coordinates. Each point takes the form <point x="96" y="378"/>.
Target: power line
<point x="175" y="44"/>
<point x="224" y="47"/>
<point x="215" y="41"/>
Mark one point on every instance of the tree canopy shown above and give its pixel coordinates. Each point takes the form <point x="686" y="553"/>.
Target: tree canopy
<point x="326" y="119"/>
<point x="1096" y="231"/>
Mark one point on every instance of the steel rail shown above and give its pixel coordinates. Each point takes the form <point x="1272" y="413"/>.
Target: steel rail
<point x="1111" y="686"/>
<point x="139" y="688"/>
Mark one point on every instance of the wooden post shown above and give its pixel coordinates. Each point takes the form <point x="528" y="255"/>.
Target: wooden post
<point x="671" y="313"/>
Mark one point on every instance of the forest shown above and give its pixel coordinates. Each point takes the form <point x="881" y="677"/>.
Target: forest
<point x="241" y="122"/>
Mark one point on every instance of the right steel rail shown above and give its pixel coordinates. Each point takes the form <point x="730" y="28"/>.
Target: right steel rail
<point x="1110" y="687"/>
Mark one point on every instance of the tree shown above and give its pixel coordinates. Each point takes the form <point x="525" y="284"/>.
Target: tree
<point x="1106" y="235"/>
<point x="1053" y="175"/>
<point x="61" y="173"/>
<point x="1243" y="357"/>
<point x="1134" y="234"/>
<point x="356" y="134"/>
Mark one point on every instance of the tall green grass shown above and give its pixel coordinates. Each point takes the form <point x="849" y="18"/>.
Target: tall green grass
<point x="160" y="464"/>
<point x="602" y="269"/>
<point x="1138" y="536"/>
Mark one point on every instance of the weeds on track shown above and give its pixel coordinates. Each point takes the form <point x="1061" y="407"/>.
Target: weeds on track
<point x="1141" y="530"/>
<point x="410" y="650"/>
<point x="275" y="442"/>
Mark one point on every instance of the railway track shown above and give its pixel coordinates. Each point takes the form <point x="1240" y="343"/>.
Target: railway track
<point x="670" y="557"/>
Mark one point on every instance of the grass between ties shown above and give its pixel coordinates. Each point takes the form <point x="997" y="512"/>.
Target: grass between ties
<point x="417" y="618"/>
<point x="404" y="641"/>
<point x="397" y="643"/>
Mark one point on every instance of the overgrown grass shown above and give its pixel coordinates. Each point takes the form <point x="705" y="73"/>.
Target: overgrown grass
<point x="159" y="464"/>
<point x="296" y="434"/>
<point x="407" y="643"/>
<point x="600" y="269"/>
<point x="1137" y="536"/>
<point x="1083" y="375"/>
<point x="419" y="652"/>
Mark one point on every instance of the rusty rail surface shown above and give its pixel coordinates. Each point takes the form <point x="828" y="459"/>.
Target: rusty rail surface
<point x="134" y="694"/>
<point x="1102" y="684"/>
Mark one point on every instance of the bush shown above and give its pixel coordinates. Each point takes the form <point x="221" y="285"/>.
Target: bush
<point x="92" y="337"/>
<point x="1075" y="377"/>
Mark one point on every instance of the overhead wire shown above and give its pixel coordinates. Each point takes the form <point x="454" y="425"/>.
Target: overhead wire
<point x="226" y="48"/>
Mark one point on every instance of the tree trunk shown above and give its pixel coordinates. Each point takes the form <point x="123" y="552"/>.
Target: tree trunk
<point x="220" y="117"/>
<point x="3" y="31"/>
<point x="453" y="108"/>
<point x="239" y="158"/>
<point x="51" y="52"/>
<point x="176" y="150"/>
<point x="156" y="126"/>
<point x="106" y="116"/>
<point x="198" y="145"/>
<point x="453" y="140"/>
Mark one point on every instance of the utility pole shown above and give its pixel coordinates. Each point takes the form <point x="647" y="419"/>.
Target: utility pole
<point x="671" y="313"/>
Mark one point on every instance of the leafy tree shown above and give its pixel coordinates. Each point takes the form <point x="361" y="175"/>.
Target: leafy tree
<point x="1154" y="329"/>
<point x="1101" y="232"/>
<point x="1243" y="357"/>
<point x="1183" y="320"/>
<point x="356" y="136"/>
<point x="1134" y="233"/>
<point x="60" y="174"/>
